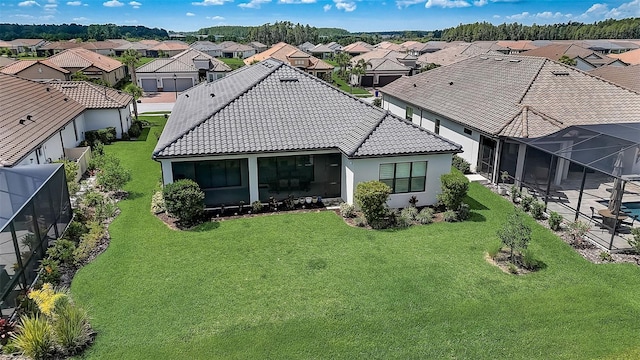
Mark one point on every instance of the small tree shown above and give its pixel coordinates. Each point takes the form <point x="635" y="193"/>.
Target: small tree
<point x="184" y="200"/>
<point x="454" y="189"/>
<point x="70" y="171"/>
<point x="135" y="91"/>
<point x="112" y="176"/>
<point x="567" y="60"/>
<point x="515" y="234"/>
<point x="371" y="197"/>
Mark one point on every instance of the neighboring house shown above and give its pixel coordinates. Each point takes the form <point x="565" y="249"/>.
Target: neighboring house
<point x="630" y="57"/>
<point x="627" y="76"/>
<point x="452" y="54"/>
<point x="38" y="70"/>
<point x="357" y="48"/>
<point x="38" y="122"/>
<point x="167" y="48"/>
<point x="26" y="45"/>
<point x="335" y="47"/>
<point x="180" y="72"/>
<point x="105" y="106"/>
<point x="137" y="46"/>
<point x="516" y="47"/>
<point x="306" y="46"/>
<point x="260" y="47"/>
<point x="603" y="46"/>
<point x="386" y="45"/>
<point x="491" y="46"/>
<point x="93" y="65"/>
<point x="56" y="47"/>
<point x="101" y="47"/>
<point x="417" y="48"/>
<point x="238" y="51"/>
<point x="207" y="47"/>
<point x="321" y="51"/>
<point x="585" y="59"/>
<point x="271" y="130"/>
<point x="6" y="61"/>
<point x="488" y="103"/>
<point x="384" y="66"/>
<point x="293" y="56"/>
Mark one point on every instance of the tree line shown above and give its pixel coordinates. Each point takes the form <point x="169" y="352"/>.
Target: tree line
<point x="270" y="34"/>
<point x="607" y="29"/>
<point x="53" y="32"/>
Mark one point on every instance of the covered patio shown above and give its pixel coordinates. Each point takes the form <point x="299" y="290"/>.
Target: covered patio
<point x="589" y="173"/>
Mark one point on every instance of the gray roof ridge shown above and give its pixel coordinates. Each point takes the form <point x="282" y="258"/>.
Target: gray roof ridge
<point x="201" y="121"/>
<point x="369" y="133"/>
<point x="533" y="79"/>
<point x="605" y="80"/>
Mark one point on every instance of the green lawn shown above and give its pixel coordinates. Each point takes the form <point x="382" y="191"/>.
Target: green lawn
<point x="233" y="63"/>
<point x="344" y="86"/>
<point x="141" y="61"/>
<point x="308" y="286"/>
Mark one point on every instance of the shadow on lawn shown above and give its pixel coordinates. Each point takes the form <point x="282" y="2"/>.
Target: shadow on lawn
<point x="144" y="134"/>
<point x="204" y="227"/>
<point x="474" y="205"/>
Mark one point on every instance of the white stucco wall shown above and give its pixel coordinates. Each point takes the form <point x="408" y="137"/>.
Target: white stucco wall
<point x="96" y="119"/>
<point x="369" y="169"/>
<point x="53" y="147"/>
<point x="448" y="129"/>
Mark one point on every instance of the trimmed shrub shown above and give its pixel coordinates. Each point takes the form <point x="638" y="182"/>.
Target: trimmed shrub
<point x="526" y="203"/>
<point x="425" y="216"/>
<point x="62" y="251"/>
<point x="461" y="164"/>
<point x="70" y="172"/>
<point x="450" y="216"/>
<point x="555" y="220"/>
<point x="157" y="203"/>
<point x="371" y="197"/>
<point x="184" y="200"/>
<point x="635" y="240"/>
<point x="50" y="271"/>
<point x="409" y="213"/>
<point x="112" y="176"/>
<point x="464" y="212"/>
<point x="360" y="221"/>
<point x="88" y="242"/>
<point x="257" y="206"/>
<point x="105" y="136"/>
<point x="578" y="230"/>
<point x="515" y="193"/>
<point x="75" y="230"/>
<point x="135" y="130"/>
<point x="537" y="210"/>
<point x="71" y="328"/>
<point x="126" y="137"/>
<point x="454" y="190"/>
<point x="347" y="210"/>
<point x="92" y="199"/>
<point x="35" y="337"/>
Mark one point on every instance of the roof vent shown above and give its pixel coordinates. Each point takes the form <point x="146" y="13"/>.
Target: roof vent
<point x="48" y="89"/>
<point x="450" y="82"/>
<point x="498" y="59"/>
<point x="414" y="85"/>
<point x="514" y="60"/>
<point x="212" y="95"/>
<point x="66" y="99"/>
<point x="186" y="95"/>
<point x="560" y="73"/>
<point x="288" y="79"/>
<point x="484" y="58"/>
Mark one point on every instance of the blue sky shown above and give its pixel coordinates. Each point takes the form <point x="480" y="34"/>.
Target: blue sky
<point x="353" y="15"/>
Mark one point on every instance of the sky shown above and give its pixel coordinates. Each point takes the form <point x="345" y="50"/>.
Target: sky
<point x="352" y="15"/>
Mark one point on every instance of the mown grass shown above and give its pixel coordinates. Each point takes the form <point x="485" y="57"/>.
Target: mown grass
<point x="308" y="286"/>
<point x="344" y="86"/>
<point x="233" y="63"/>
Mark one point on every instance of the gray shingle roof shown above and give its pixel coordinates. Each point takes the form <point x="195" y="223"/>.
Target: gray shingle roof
<point x="488" y="92"/>
<point x="273" y="107"/>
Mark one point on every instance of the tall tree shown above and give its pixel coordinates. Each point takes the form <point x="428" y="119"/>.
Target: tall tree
<point x="130" y="58"/>
<point x="136" y="92"/>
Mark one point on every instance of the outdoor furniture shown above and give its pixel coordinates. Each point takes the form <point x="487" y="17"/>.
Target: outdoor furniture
<point x="609" y="218"/>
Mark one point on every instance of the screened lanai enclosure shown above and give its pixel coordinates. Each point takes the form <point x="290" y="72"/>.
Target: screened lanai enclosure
<point x="588" y="172"/>
<point x="34" y="211"/>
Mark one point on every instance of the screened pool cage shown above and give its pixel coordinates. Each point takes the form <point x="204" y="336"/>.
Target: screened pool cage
<point x="34" y="211"/>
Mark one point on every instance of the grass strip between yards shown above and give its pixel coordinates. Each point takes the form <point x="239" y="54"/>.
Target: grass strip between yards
<point x="342" y="85"/>
<point x="309" y="286"/>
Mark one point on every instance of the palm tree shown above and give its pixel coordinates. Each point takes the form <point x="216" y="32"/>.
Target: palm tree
<point x="567" y="60"/>
<point x="130" y="57"/>
<point x="342" y="59"/>
<point x="360" y="69"/>
<point x="136" y="92"/>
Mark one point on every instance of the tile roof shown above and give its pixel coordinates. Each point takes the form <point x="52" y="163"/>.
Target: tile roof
<point x="358" y="47"/>
<point x="489" y="93"/>
<point x="93" y="96"/>
<point x="83" y="58"/>
<point x="60" y="45"/>
<point x="19" y="66"/>
<point x="26" y="42"/>
<point x="517" y="45"/>
<point x="452" y="54"/>
<point x="170" y="45"/>
<point x="149" y="42"/>
<point x="182" y="62"/>
<point x="133" y="45"/>
<point x="321" y="48"/>
<point x="256" y="44"/>
<point x="630" y="57"/>
<point x="238" y="47"/>
<point x="5" y="61"/>
<point x="100" y="45"/>
<point x="205" y="46"/>
<point x="282" y="51"/>
<point x="627" y="76"/>
<point x="390" y="46"/>
<point x="556" y="51"/>
<point x="49" y="109"/>
<point x="274" y="107"/>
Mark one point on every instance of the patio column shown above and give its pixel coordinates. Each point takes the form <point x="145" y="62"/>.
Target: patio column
<point x="617" y="210"/>
<point x="254" y="193"/>
<point x="522" y="151"/>
<point x="584" y="178"/>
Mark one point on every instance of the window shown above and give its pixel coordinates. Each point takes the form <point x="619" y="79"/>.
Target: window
<point x="210" y="174"/>
<point x="409" y="113"/>
<point x="468" y="131"/>
<point x="436" y="128"/>
<point x="404" y="177"/>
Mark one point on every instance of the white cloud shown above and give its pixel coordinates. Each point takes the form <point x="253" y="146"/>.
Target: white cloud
<point x="135" y="4"/>
<point x="46" y="17"/>
<point x="23" y="16"/>
<point x="29" y="3"/>
<point x="50" y="6"/>
<point x="210" y="2"/>
<point x="521" y="16"/>
<point x="345" y="5"/>
<point x="496" y="16"/>
<point x="327" y="7"/>
<point x="191" y="14"/>
<point x="218" y="18"/>
<point x="405" y="3"/>
<point x="74" y="3"/>
<point x="446" y="3"/>
<point x="626" y="10"/>
<point x="480" y="2"/>
<point x="296" y="1"/>
<point x="82" y="18"/>
<point x="597" y="9"/>
<point x="253" y="4"/>
<point x="113" y="3"/>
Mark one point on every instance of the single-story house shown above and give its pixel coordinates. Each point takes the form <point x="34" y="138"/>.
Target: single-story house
<point x="26" y="45"/>
<point x="335" y="47"/>
<point x="452" y="54"/>
<point x="306" y="46"/>
<point x="101" y="47"/>
<point x="517" y="46"/>
<point x="105" y="106"/>
<point x="207" y="47"/>
<point x="631" y="57"/>
<point x="167" y="48"/>
<point x="260" y="47"/>
<point x="386" y="45"/>
<point x="239" y="51"/>
<point x="137" y="46"/>
<point x="294" y="57"/>
<point x="585" y="59"/>
<point x="489" y="103"/>
<point x="357" y="48"/>
<point x="384" y="66"/>
<point x="180" y="72"/>
<point x="272" y="130"/>
<point x="92" y="64"/>
<point x="56" y="47"/>
<point x="38" y="70"/>
<point x="627" y="76"/>
<point x="321" y="51"/>
<point x="6" y="61"/>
